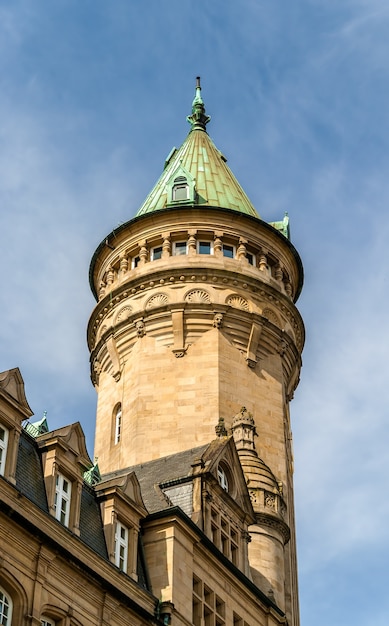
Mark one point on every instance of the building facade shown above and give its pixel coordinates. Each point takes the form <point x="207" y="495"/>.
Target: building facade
<point x="187" y="518"/>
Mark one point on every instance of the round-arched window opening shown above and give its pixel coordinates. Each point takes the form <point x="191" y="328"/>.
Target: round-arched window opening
<point x="117" y="423"/>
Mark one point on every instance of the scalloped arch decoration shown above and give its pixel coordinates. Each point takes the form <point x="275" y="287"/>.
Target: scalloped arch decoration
<point x="271" y="316"/>
<point x="158" y="299"/>
<point x="238" y="302"/>
<point x="123" y="314"/>
<point x="198" y="296"/>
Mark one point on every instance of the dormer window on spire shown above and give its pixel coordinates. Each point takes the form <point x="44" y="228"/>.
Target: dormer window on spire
<point x="180" y="187"/>
<point x="180" y="190"/>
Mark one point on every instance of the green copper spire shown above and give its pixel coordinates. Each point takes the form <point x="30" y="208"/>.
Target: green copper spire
<point x="197" y="173"/>
<point x="198" y="119"/>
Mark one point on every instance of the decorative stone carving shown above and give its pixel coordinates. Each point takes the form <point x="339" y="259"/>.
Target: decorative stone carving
<point x="263" y="262"/>
<point x="198" y="296"/>
<point x="238" y="302"/>
<point x="102" y="290"/>
<point x="110" y="276"/>
<point x="217" y="247"/>
<point x="123" y="314"/>
<point x="271" y="316"/>
<point x="159" y="299"/>
<point x="270" y="500"/>
<point x="218" y="320"/>
<point x="166" y="248"/>
<point x="123" y="264"/>
<point x="220" y="428"/>
<point x="282" y="347"/>
<point x="140" y="328"/>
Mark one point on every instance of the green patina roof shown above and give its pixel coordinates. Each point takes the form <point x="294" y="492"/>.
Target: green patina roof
<point x="210" y="180"/>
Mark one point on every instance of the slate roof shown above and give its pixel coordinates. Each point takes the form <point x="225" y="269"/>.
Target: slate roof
<point x="30" y="483"/>
<point x="29" y="472"/>
<point x="174" y="467"/>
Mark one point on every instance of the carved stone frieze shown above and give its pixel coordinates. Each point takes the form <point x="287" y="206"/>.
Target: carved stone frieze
<point x="198" y="296"/>
<point x="238" y="302"/>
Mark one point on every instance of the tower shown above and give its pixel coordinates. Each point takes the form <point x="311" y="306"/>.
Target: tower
<point x="195" y="321"/>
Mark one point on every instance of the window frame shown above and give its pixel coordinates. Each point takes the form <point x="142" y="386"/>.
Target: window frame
<point x="177" y="243"/>
<point x="66" y="496"/>
<point x="153" y="252"/>
<point x="205" y="241"/>
<point x="47" y="621"/>
<point x="180" y="183"/>
<point x="118" y="417"/>
<point x="3" y="448"/>
<point x="233" y="250"/>
<point x="5" y="602"/>
<point x="121" y="558"/>
<point x="135" y="260"/>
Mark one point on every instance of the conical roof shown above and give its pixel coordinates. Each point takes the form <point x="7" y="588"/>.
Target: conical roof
<point x="210" y="180"/>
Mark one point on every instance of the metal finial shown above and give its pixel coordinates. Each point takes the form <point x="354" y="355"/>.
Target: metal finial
<point x="198" y="119"/>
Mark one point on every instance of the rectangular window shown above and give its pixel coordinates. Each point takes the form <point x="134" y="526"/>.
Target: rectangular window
<point x="135" y="262"/>
<point x="3" y="448"/>
<point x="121" y="546"/>
<point x="204" y="247"/>
<point x="228" y="251"/>
<point x="208" y="608"/>
<point x="179" y="247"/>
<point x="156" y="253"/>
<point x="251" y="258"/>
<point x="63" y="490"/>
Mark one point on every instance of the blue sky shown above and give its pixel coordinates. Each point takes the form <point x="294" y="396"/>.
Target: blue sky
<point x="93" y="95"/>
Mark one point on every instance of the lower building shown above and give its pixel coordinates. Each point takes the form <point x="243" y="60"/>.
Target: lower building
<point x="165" y="542"/>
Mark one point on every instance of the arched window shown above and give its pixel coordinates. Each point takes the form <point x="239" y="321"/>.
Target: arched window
<point x="47" y="621"/>
<point x="222" y="477"/>
<point x="118" y="423"/>
<point x="180" y="190"/>
<point x="5" y="608"/>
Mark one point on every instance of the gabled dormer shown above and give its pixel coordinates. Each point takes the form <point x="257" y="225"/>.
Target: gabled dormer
<point x="122" y="508"/>
<point x="181" y="187"/>
<point x="14" y="409"/>
<point x="64" y="460"/>
<point x="224" y="504"/>
<point x="208" y="484"/>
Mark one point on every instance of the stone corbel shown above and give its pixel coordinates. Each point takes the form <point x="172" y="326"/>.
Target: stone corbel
<point x="255" y="334"/>
<point x="114" y="356"/>
<point x="179" y="349"/>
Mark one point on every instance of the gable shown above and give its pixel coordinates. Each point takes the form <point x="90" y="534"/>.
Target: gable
<point x="12" y="389"/>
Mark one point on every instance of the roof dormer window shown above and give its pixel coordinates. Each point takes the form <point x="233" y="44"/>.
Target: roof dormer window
<point x="63" y="490"/>
<point x="222" y="477"/>
<point x="121" y="546"/>
<point x="180" y="189"/>
<point x="3" y="448"/>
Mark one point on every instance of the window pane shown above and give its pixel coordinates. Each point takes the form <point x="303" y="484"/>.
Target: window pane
<point x="157" y="253"/>
<point x="204" y="247"/>
<point x="228" y="251"/>
<point x="180" y="192"/>
<point x="180" y="247"/>
<point x="5" y="609"/>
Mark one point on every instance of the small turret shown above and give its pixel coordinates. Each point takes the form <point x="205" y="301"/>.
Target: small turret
<point x="271" y="532"/>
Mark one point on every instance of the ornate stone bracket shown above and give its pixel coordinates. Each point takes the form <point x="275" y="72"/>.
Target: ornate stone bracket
<point x="255" y="334"/>
<point x="179" y="349"/>
<point x="114" y="356"/>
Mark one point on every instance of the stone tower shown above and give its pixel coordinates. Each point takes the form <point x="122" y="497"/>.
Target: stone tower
<point x="195" y="321"/>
